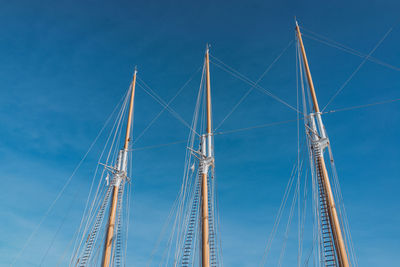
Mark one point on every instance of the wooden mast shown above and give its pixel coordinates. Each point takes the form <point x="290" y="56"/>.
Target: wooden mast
<point x="332" y="213"/>
<point x="113" y="208"/>
<point x="128" y="126"/>
<point x="204" y="187"/>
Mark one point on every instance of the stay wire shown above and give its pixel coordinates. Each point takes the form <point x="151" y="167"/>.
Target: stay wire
<point x="291" y="212"/>
<point x="66" y="213"/>
<point x="281" y="209"/>
<point x="270" y="124"/>
<point x="182" y="197"/>
<point x="62" y="189"/>
<point x="329" y="42"/>
<point x="156" y="97"/>
<point x="164" y="108"/>
<point x="298" y="157"/>
<point x="254" y="127"/>
<point x="359" y="67"/>
<point x="89" y="214"/>
<point x="256" y="83"/>
<point x="225" y="67"/>
<point x="123" y="100"/>
<point x="362" y="106"/>
<point x="187" y="194"/>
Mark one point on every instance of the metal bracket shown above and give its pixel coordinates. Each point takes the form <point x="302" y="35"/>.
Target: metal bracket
<point x="312" y="131"/>
<point x="195" y="153"/>
<point x="110" y="168"/>
<point x="323" y="143"/>
<point x="118" y="175"/>
<point x="205" y="163"/>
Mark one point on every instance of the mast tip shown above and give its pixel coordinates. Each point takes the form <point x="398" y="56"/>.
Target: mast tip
<point x="207" y="47"/>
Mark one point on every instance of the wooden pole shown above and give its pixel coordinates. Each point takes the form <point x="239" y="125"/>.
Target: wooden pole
<point x="208" y="94"/>
<point x="205" y="225"/>
<point x="204" y="188"/>
<point x="110" y="228"/>
<point x="128" y="127"/>
<point x="113" y="208"/>
<point x="332" y="213"/>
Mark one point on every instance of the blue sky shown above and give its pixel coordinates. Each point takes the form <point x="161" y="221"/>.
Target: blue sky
<point x="66" y="64"/>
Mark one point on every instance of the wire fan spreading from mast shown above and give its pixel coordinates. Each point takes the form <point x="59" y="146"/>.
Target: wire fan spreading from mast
<point x="102" y="235"/>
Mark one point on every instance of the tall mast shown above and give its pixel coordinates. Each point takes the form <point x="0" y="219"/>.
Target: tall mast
<point x="340" y="246"/>
<point x="205" y="163"/>
<point x="120" y="174"/>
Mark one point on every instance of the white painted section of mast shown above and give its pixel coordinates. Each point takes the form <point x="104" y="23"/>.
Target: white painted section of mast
<point x="203" y="145"/>
<point x="313" y="127"/>
<point x="209" y="145"/>
<point x="321" y="126"/>
<point x="204" y="163"/>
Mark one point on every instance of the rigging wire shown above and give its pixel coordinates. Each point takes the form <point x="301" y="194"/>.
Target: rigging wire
<point x="325" y="40"/>
<point x="97" y="199"/>
<point x="271" y="124"/>
<point x="337" y="192"/>
<point x="317" y="236"/>
<point x="184" y="197"/>
<point x="298" y="156"/>
<point x="255" y="127"/>
<point x="182" y="244"/>
<point x="116" y="124"/>
<point x="225" y="67"/>
<point x="358" y="68"/>
<point x="280" y="212"/>
<point x="164" y="108"/>
<point x="67" y="182"/>
<point x="188" y="196"/>
<point x="161" y="145"/>
<point x="325" y="112"/>
<point x="301" y="221"/>
<point x="62" y="256"/>
<point x="299" y="80"/>
<point x="66" y="213"/>
<point x="156" y="97"/>
<point x="342" y="210"/>
<point x="362" y="106"/>
<point x="292" y="207"/>
<point x="256" y="83"/>
<point x="218" y="133"/>
<point x="97" y="210"/>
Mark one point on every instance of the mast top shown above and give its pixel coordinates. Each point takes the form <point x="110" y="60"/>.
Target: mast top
<point x="307" y="68"/>
<point x="128" y="126"/>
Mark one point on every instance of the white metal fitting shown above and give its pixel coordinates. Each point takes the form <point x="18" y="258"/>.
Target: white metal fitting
<point x="323" y="143"/>
<point x="205" y="163"/>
